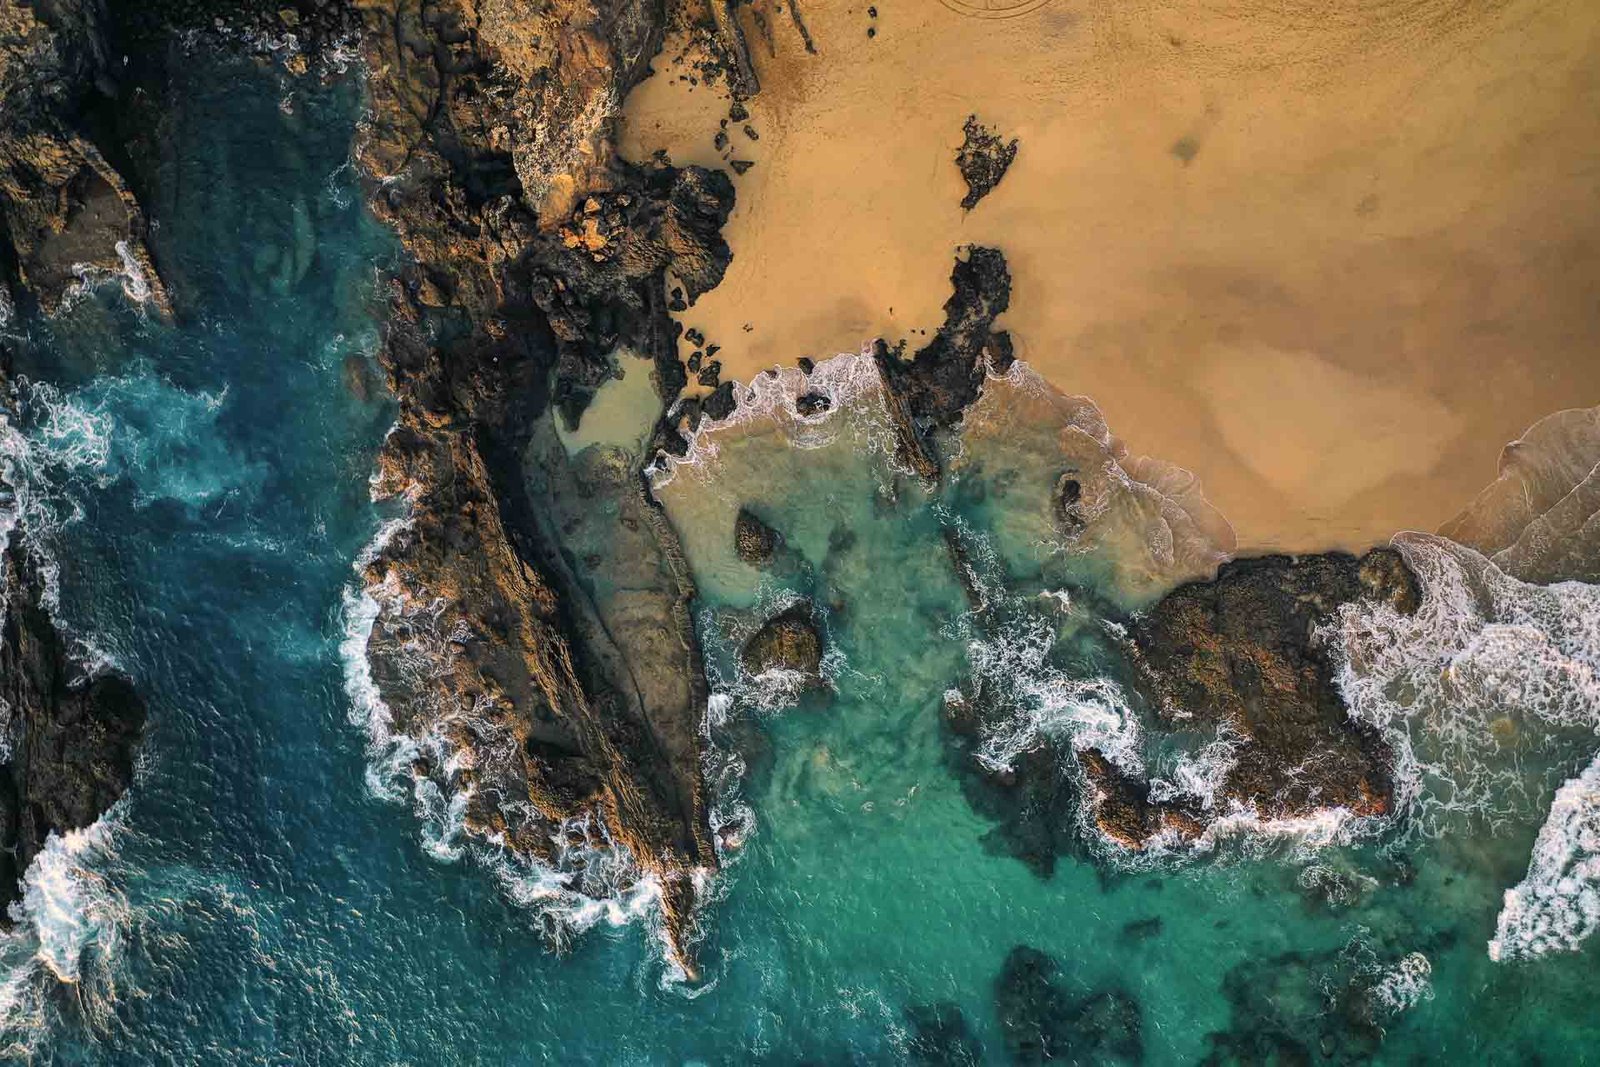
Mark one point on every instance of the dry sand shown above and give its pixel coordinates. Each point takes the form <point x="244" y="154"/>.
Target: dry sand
<point x="1328" y="254"/>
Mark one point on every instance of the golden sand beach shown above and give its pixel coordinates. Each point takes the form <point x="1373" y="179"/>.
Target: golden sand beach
<point x="1330" y="256"/>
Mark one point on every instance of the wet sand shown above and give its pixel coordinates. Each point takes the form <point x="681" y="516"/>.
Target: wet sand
<point x="1331" y="258"/>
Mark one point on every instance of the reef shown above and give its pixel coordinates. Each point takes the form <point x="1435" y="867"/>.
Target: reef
<point x="68" y="735"/>
<point x="983" y="159"/>
<point x="1044" y="1023"/>
<point x="1241" y="654"/>
<point x="1321" y="1007"/>
<point x="533" y="629"/>
<point x="940" y="1036"/>
<point x="786" y="642"/>
<point x="67" y="217"/>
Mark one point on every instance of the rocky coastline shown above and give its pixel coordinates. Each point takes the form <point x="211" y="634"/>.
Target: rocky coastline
<point x="69" y="732"/>
<point x="566" y="683"/>
<point x="533" y="632"/>
<point x="68" y="736"/>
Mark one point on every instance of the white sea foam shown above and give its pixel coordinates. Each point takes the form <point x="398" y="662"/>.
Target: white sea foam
<point x="70" y="927"/>
<point x="852" y="386"/>
<point x="1489" y="671"/>
<point x="1404" y="985"/>
<point x="592" y="879"/>
<point x="1557" y="906"/>
<point x="1026" y="697"/>
<point x="1199" y="775"/>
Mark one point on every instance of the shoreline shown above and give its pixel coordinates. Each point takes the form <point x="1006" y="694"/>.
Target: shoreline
<point x="1338" y="340"/>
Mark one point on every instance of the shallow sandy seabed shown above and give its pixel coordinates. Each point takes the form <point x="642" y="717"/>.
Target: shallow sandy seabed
<point x="1331" y="257"/>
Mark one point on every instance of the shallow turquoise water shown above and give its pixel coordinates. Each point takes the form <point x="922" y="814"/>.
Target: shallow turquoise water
<point x="253" y="901"/>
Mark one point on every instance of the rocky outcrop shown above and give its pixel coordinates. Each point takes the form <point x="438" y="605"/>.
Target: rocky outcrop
<point x="66" y="215"/>
<point x="555" y="661"/>
<point x="983" y="159"/>
<point x="67" y="738"/>
<point x="1241" y="654"/>
<point x="753" y="540"/>
<point x="786" y="642"/>
<point x="933" y="389"/>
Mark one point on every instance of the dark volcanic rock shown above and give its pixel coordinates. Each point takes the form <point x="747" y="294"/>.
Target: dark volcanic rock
<point x="70" y="740"/>
<point x="1043" y="1023"/>
<point x="754" y="540"/>
<point x="932" y="390"/>
<point x="65" y="212"/>
<point x="808" y="404"/>
<point x="721" y="403"/>
<point x="983" y="159"/>
<point x="788" y="641"/>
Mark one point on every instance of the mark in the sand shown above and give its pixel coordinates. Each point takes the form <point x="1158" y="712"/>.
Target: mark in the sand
<point x="994" y="9"/>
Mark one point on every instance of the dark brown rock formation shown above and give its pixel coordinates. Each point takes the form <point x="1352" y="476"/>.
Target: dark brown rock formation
<point x="1241" y="652"/>
<point x="932" y="390"/>
<point x="65" y="213"/>
<point x="786" y="642"/>
<point x="753" y="540"/>
<point x="69" y="740"/>
<point x="983" y="159"/>
<point x="561" y="656"/>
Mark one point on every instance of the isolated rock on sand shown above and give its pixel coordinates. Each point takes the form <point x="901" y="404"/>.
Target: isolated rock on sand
<point x="983" y="160"/>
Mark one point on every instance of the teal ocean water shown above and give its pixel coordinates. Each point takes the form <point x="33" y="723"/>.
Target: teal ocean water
<point x="258" y="898"/>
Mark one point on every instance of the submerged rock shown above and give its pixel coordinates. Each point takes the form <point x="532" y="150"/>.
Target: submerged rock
<point x="941" y="1037"/>
<point x="1043" y="1023"/>
<point x="786" y="642"/>
<point x="753" y="540"/>
<point x="69" y="739"/>
<point x="983" y="159"/>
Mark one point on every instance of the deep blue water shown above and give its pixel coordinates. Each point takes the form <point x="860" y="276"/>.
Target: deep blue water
<point x="252" y="900"/>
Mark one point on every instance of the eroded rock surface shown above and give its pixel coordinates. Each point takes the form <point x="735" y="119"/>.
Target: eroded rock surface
<point x="753" y="540"/>
<point x="66" y="215"/>
<point x="983" y="159"/>
<point x="932" y="390"/>
<point x="67" y="738"/>
<point x="1241" y="653"/>
<point x="786" y="642"/>
<point x="556" y="660"/>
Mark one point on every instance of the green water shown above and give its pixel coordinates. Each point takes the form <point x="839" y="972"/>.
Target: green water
<point x="254" y="900"/>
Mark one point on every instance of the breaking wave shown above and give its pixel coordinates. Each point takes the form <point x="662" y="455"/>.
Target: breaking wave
<point x="592" y="879"/>
<point x="70" y="928"/>
<point x="1490" y="695"/>
<point x="851" y="406"/>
